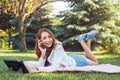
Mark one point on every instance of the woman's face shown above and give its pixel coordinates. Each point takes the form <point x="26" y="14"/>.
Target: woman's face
<point x="47" y="39"/>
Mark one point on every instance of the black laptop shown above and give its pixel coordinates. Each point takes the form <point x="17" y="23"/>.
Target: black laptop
<point x="16" y="66"/>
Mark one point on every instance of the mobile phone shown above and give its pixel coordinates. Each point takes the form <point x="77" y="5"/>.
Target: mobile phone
<point x="41" y="44"/>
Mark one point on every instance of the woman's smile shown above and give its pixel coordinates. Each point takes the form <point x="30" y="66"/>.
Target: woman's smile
<point x="49" y="44"/>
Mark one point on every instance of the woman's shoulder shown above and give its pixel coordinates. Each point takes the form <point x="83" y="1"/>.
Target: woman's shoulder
<point x="58" y="44"/>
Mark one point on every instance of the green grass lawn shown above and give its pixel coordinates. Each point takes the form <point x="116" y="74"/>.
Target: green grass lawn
<point x="103" y="58"/>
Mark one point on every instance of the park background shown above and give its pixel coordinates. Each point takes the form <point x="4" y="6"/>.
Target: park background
<point x="21" y="19"/>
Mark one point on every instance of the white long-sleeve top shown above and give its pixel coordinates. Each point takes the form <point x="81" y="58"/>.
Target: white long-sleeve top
<point x="56" y="58"/>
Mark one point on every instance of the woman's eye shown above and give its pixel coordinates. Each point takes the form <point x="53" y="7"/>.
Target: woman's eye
<point x="49" y="36"/>
<point x="44" y="38"/>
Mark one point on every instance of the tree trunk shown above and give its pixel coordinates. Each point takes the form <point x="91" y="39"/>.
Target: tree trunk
<point x="22" y="42"/>
<point x="21" y="30"/>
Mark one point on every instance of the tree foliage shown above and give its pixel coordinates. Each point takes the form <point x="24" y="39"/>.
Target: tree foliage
<point x="101" y="15"/>
<point x="6" y="14"/>
<point x="24" y="11"/>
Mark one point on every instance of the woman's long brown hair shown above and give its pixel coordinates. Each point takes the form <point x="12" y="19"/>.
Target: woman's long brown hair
<point x="38" y="36"/>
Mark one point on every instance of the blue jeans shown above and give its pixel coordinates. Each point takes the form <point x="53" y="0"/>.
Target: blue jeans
<point x="81" y="60"/>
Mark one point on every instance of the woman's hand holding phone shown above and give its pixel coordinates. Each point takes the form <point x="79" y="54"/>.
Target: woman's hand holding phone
<point x="42" y="48"/>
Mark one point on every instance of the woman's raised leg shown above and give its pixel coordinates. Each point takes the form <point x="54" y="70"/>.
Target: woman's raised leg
<point x="88" y="52"/>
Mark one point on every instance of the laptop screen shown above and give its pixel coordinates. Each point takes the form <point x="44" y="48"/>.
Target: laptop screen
<point x="16" y="66"/>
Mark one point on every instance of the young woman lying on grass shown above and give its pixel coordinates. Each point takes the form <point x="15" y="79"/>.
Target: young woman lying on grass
<point x="52" y="55"/>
